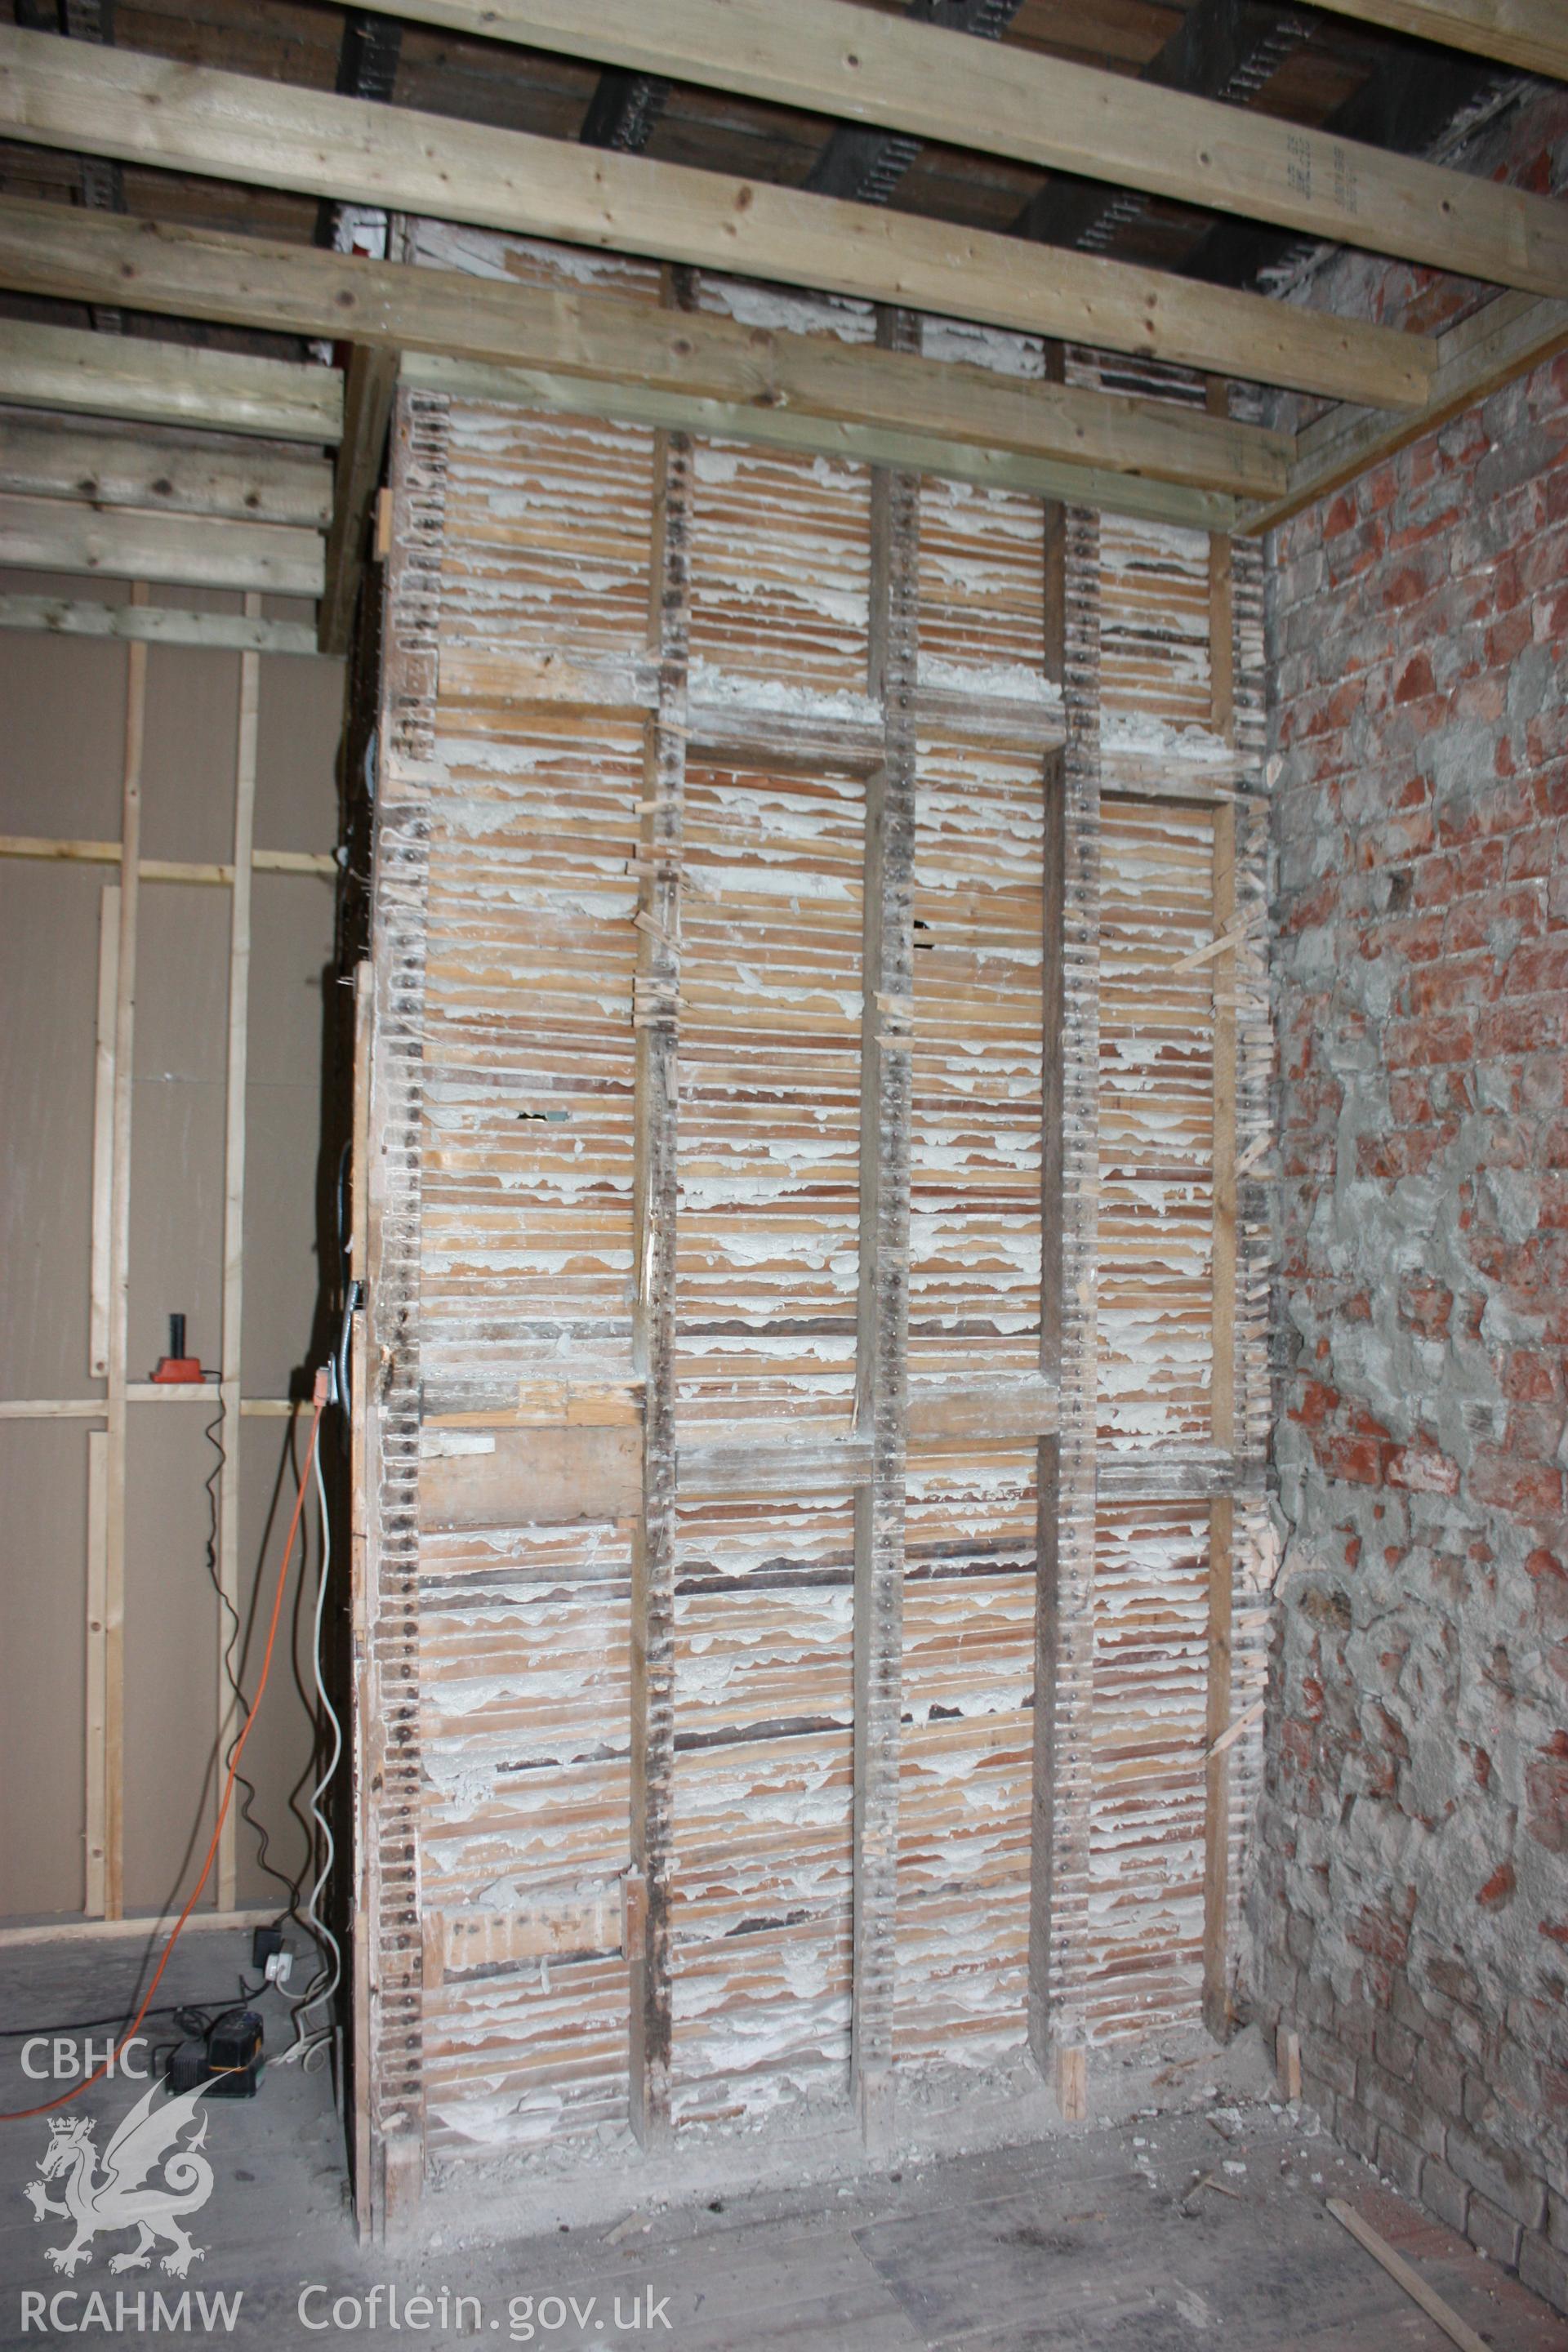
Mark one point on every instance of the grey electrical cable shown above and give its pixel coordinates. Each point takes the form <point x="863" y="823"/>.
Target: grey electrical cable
<point x="325" y="1982"/>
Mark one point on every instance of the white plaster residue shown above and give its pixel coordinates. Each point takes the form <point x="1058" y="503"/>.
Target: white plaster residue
<point x="998" y="349"/>
<point x="1144" y="737"/>
<point x="721" y="688"/>
<point x="441" y="1444"/>
<point x="781" y="310"/>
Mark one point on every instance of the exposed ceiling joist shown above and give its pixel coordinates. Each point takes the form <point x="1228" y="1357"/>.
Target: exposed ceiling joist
<point x="961" y="419"/>
<point x="367" y="60"/>
<point x="123" y="543"/>
<point x="84" y="374"/>
<point x="1221" y="49"/>
<point x="866" y="165"/>
<point x="165" y="472"/>
<point x="231" y="127"/>
<point x="1529" y="33"/>
<point x="623" y="111"/>
<point x="1504" y="340"/>
<point x="838" y="59"/>
<point x="1407" y="101"/>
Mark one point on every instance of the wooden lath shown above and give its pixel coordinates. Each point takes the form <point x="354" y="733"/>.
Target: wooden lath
<point x="827" y="58"/>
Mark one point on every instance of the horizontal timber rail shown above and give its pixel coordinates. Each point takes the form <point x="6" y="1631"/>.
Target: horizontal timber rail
<point x="156" y="625"/>
<point x="45" y="849"/>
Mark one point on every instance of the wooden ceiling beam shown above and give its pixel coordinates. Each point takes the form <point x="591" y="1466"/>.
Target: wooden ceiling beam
<point x="84" y="374"/>
<point x="799" y="391"/>
<point x="1533" y="34"/>
<point x="193" y="551"/>
<point x="231" y="127"/>
<point x="856" y="63"/>
<point x="167" y="473"/>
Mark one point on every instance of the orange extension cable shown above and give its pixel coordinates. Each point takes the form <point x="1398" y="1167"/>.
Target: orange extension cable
<point x="21" y="2115"/>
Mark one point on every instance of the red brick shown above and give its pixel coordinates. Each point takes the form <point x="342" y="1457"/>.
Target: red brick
<point x="1423" y="1470"/>
<point x="1546" y="1795"/>
<point x="1426" y="1305"/>
<point x="1429" y="1042"/>
<point x="1526" y="1490"/>
<point x="1361" y="1461"/>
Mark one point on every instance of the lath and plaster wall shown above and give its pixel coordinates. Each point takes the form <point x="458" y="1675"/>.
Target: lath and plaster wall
<point x="783" y="1057"/>
<point x="1412" y="1906"/>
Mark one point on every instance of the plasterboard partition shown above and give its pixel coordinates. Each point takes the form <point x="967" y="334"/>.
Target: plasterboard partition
<point x="107" y="1766"/>
<point x="709" y="1250"/>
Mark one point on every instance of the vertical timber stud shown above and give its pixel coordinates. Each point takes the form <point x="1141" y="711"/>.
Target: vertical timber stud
<point x="1243" y="1061"/>
<point x="1222" y="633"/>
<point x="120" y="1282"/>
<point x="103" y="1131"/>
<point x="388" y="1671"/>
<point x="1253" y="1243"/>
<point x="234" y="1229"/>
<point x="103" y="1166"/>
<point x="655" y="1000"/>
<point x="1217" y="2002"/>
<point x="97" y="1505"/>
<point x="882" y="1314"/>
<point x="1222" y="1412"/>
<point x="1064" y="1643"/>
<point x="359" y="1362"/>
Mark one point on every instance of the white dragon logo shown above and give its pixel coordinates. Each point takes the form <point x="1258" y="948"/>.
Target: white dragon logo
<point x="121" y="2197"/>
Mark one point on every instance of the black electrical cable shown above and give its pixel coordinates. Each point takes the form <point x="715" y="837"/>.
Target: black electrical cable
<point x="246" y="1788"/>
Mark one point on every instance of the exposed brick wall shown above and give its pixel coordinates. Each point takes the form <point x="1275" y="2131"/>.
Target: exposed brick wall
<point x="1411" y="1901"/>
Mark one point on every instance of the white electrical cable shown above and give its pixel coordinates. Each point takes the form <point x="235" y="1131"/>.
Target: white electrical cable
<point x="325" y="1983"/>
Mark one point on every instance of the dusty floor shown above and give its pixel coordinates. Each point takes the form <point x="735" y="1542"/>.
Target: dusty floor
<point x="1096" y="2238"/>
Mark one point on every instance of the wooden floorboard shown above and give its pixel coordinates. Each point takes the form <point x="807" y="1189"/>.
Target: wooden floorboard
<point x="1076" y="2244"/>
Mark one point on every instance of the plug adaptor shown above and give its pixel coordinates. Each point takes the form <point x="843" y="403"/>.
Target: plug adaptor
<point x="266" y="1943"/>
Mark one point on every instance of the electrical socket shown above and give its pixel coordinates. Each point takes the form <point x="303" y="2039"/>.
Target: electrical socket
<point x="280" y="1965"/>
